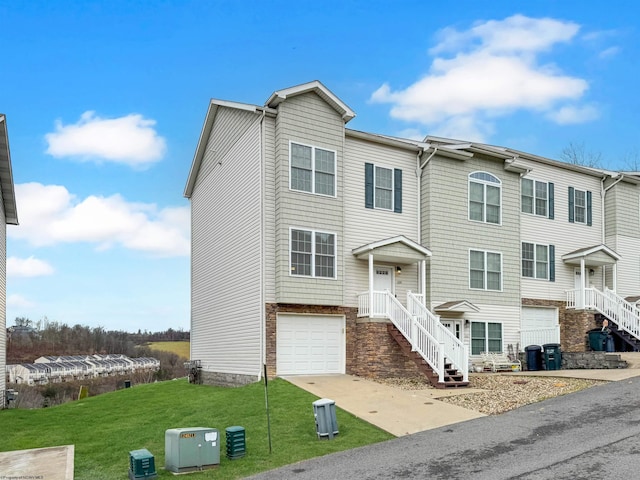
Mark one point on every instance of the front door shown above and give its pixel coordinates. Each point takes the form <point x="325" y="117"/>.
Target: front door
<point x="455" y="326"/>
<point x="383" y="279"/>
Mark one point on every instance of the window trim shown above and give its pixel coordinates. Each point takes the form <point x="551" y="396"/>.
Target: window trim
<point x="485" y="289"/>
<point x="535" y="261"/>
<point x="314" y="253"/>
<point x="486" y="335"/>
<point x="313" y="169"/>
<point x="484" y="184"/>
<point x="549" y="199"/>
<point x="375" y="186"/>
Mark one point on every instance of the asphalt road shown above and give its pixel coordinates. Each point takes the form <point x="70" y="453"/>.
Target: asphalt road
<point x="591" y="434"/>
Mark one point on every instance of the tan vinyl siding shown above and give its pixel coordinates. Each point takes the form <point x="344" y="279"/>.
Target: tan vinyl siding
<point x="307" y="119"/>
<point x="622" y="210"/>
<point x="567" y="237"/>
<point x="366" y="225"/>
<point x="226" y="307"/>
<point x="628" y="268"/>
<point x="450" y="234"/>
<point x="269" y="221"/>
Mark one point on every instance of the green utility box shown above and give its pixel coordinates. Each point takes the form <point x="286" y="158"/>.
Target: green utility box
<point x="324" y="411"/>
<point x="236" y="446"/>
<point x="191" y="449"/>
<point x="141" y="464"/>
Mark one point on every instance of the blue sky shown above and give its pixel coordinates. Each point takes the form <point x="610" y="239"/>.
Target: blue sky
<point x="105" y="102"/>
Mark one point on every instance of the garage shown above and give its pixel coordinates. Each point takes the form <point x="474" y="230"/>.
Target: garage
<point x="310" y="344"/>
<point x="539" y="326"/>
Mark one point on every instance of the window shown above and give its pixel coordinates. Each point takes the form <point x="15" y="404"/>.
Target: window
<point x="313" y="253"/>
<point x="486" y="337"/>
<point x="383" y="187"/>
<point x="580" y="206"/>
<point x="537" y="261"/>
<point x="313" y="169"/>
<point x="485" y="270"/>
<point x="537" y="197"/>
<point x="484" y="197"/>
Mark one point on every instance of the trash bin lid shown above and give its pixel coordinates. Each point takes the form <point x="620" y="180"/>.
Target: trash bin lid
<point x="551" y="345"/>
<point x="532" y="348"/>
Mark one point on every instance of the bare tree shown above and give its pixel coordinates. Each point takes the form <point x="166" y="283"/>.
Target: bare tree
<point x="631" y="160"/>
<point x="577" y="154"/>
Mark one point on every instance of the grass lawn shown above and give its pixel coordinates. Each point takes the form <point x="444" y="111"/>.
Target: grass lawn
<point x="106" y="427"/>
<point x="179" y="348"/>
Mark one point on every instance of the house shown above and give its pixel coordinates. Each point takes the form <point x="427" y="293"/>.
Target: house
<point x="8" y="216"/>
<point x="320" y="249"/>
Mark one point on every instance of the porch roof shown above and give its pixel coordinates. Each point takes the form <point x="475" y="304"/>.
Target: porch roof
<point x="595" y="256"/>
<point x="399" y="250"/>
<point x="457" y="306"/>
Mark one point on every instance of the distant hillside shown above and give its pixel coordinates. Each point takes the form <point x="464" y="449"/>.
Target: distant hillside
<point x="179" y="348"/>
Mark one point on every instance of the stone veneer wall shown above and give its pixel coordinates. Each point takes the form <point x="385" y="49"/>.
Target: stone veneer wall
<point x="574" y="324"/>
<point x="585" y="360"/>
<point x="227" y="379"/>
<point x="370" y="349"/>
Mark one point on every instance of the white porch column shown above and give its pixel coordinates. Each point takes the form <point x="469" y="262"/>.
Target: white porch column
<point x="423" y="280"/>
<point x="582" y="282"/>
<point x="615" y="277"/>
<point x="370" y="284"/>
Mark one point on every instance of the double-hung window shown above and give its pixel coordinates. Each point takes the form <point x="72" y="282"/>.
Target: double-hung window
<point x="312" y="253"/>
<point x="486" y="337"/>
<point x="538" y="261"/>
<point x="485" y="192"/>
<point x="537" y="197"/>
<point x="312" y="169"/>
<point x="382" y="188"/>
<point x="485" y="270"/>
<point x="580" y="206"/>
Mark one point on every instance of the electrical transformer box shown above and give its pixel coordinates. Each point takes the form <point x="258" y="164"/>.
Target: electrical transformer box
<point x="191" y="449"/>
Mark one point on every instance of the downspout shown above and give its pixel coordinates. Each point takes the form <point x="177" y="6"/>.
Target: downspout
<point x="263" y="323"/>
<point x="422" y="273"/>
<point x="603" y="193"/>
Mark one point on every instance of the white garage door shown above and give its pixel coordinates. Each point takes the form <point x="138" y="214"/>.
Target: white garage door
<point x="539" y="326"/>
<point x="310" y="344"/>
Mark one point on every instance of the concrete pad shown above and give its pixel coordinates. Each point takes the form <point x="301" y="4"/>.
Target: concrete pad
<point x="53" y="463"/>
<point x="399" y="412"/>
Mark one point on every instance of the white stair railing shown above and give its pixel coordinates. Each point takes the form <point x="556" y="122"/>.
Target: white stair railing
<point x="387" y="305"/>
<point x="611" y="305"/>
<point x="454" y="350"/>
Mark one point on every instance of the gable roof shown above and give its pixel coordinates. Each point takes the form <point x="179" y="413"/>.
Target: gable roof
<point x="414" y="251"/>
<point x="457" y="306"/>
<point x="6" y="176"/>
<point x="342" y="108"/>
<point x="594" y="256"/>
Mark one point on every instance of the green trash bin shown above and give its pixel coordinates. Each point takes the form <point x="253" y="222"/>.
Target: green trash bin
<point x="597" y="339"/>
<point x="552" y="356"/>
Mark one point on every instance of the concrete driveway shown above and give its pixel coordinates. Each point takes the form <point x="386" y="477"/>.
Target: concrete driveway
<point x="594" y="433"/>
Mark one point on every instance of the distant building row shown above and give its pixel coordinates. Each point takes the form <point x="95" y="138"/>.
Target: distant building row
<point x="77" y="367"/>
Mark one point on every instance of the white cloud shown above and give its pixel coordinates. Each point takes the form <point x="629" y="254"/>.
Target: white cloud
<point x="609" y="52"/>
<point x="130" y="140"/>
<point x="570" y="114"/>
<point x="18" y="301"/>
<point x="50" y="214"/>
<point x="493" y="72"/>
<point x="27" y="267"/>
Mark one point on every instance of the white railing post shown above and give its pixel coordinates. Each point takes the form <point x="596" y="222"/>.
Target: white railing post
<point x="441" y="363"/>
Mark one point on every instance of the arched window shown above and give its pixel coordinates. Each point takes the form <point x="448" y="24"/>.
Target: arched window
<point x="485" y="197"/>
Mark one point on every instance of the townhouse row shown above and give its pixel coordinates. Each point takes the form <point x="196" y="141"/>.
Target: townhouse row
<point x="310" y="239"/>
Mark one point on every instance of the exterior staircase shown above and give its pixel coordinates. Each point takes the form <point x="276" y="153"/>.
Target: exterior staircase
<point x="452" y="377"/>
<point x="439" y="354"/>
<point x="624" y="317"/>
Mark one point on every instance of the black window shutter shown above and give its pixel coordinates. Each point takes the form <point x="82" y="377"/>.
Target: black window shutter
<point x="551" y="202"/>
<point x="397" y="190"/>
<point x="552" y="263"/>
<point x="571" y="200"/>
<point x="589" y="209"/>
<point x="368" y="185"/>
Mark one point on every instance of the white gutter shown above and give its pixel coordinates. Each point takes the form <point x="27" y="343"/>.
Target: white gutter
<point x="422" y="270"/>
<point x="603" y="193"/>
<point x="263" y="322"/>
